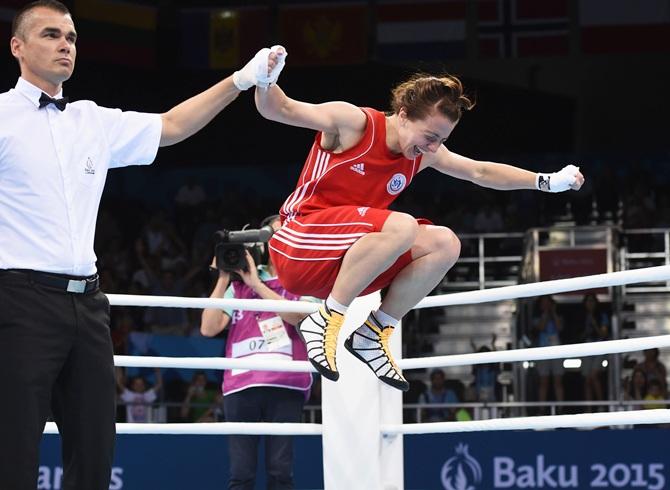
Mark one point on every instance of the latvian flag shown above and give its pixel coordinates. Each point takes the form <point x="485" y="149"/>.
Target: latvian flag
<point x="521" y="28"/>
<point x="420" y="30"/>
<point x="624" y="26"/>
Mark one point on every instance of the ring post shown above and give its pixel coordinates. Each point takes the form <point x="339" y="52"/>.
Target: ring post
<point x="355" y="453"/>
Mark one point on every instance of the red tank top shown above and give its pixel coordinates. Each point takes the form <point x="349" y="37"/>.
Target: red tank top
<point x="367" y="174"/>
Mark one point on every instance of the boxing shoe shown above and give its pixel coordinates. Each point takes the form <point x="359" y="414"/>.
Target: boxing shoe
<point x="319" y="331"/>
<point x="370" y="344"/>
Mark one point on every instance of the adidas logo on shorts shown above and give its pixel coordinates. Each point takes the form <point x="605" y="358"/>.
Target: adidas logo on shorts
<point x="362" y="211"/>
<point x="359" y="168"/>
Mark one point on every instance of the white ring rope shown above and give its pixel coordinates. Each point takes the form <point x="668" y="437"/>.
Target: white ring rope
<point x="275" y="305"/>
<point x="540" y="353"/>
<point x="220" y="363"/>
<point x="214" y="428"/>
<point x="531" y="354"/>
<point x="620" y="278"/>
<point x="582" y="420"/>
<point x="649" y="274"/>
<point x="658" y="416"/>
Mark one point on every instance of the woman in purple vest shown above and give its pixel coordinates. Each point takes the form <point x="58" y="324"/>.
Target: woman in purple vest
<point x="259" y="396"/>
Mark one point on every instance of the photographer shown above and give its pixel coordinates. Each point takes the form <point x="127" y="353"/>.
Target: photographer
<point x="259" y="396"/>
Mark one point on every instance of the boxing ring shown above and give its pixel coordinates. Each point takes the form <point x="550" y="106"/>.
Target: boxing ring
<point x="362" y="425"/>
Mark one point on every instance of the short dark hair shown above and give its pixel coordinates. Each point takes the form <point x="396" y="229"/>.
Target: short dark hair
<point x="19" y="18"/>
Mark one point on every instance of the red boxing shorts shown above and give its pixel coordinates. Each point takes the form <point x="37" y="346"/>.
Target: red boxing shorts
<point x="307" y="251"/>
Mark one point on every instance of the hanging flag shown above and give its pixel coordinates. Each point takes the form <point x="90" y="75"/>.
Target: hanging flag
<point x="117" y="32"/>
<point x="421" y="30"/>
<point x="522" y="28"/>
<point x="327" y="34"/>
<point x="221" y="38"/>
<point x="624" y="26"/>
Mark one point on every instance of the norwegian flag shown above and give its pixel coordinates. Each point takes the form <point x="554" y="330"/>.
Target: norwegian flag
<point x="521" y="28"/>
<point x="624" y="26"/>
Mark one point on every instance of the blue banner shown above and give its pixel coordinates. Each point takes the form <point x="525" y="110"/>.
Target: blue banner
<point x="635" y="459"/>
<point x="152" y="462"/>
<point x="628" y="459"/>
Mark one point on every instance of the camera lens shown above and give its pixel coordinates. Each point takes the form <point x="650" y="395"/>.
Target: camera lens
<point x="231" y="257"/>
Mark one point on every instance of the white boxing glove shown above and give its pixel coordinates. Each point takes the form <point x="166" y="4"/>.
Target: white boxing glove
<point x="558" y="181"/>
<point x="248" y="76"/>
<point x="267" y="80"/>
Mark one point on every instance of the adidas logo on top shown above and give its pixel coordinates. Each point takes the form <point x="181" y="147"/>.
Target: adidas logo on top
<point x="359" y="168"/>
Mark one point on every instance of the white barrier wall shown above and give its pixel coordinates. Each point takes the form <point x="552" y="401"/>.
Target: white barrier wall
<point x="355" y="454"/>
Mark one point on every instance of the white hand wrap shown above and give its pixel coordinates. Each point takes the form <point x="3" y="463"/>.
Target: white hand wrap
<point x="265" y="80"/>
<point x="558" y="181"/>
<point x="248" y="76"/>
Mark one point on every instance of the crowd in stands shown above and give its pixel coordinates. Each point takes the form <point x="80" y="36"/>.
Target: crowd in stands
<point x="644" y="382"/>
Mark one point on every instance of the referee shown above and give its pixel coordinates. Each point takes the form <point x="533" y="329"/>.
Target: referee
<point x="55" y="347"/>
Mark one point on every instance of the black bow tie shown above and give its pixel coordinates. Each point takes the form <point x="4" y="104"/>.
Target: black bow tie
<point x="45" y="100"/>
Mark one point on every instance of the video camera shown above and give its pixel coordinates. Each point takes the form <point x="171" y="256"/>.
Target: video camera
<point x="231" y="247"/>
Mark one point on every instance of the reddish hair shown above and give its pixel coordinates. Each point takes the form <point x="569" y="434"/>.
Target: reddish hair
<point x="422" y="94"/>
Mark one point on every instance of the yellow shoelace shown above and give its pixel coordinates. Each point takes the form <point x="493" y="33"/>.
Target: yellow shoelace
<point x="384" y="337"/>
<point x="330" y="337"/>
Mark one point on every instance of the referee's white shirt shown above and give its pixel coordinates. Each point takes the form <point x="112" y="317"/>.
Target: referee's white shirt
<point x="53" y="167"/>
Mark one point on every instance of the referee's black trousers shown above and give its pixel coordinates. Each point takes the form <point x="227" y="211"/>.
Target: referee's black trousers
<point x="55" y="358"/>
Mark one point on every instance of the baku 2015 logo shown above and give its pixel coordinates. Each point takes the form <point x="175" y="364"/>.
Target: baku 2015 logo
<point x="462" y="471"/>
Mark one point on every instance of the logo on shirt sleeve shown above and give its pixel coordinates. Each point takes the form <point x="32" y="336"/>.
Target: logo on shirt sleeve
<point x="396" y="184"/>
<point x="89" y="168"/>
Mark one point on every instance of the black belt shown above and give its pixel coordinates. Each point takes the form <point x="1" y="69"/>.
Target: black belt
<point x="70" y="284"/>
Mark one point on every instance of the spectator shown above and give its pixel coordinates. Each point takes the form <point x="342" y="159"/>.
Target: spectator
<point x="160" y="320"/>
<point x="416" y="388"/>
<point x="259" y="396"/>
<point x="438" y="393"/>
<point x="138" y="398"/>
<point x="548" y="326"/>
<point x="653" y="368"/>
<point x="160" y="236"/>
<point x="216" y="412"/>
<point x="485" y="374"/>
<point x="189" y="204"/>
<point x="464" y="414"/>
<point x="148" y="263"/>
<point x="122" y="325"/>
<point x="488" y="220"/>
<point x="596" y="324"/>
<point x="654" y="392"/>
<point x="636" y="388"/>
<point x="115" y="258"/>
<point x="190" y="194"/>
<point x="201" y="240"/>
<point x="199" y="399"/>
